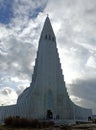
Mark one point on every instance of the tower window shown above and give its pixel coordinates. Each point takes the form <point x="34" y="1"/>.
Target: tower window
<point x="49" y="37"/>
<point x="45" y="36"/>
<point x="53" y="39"/>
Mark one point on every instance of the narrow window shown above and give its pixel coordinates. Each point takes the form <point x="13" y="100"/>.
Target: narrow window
<point x="52" y="38"/>
<point x="45" y="36"/>
<point x="49" y="37"/>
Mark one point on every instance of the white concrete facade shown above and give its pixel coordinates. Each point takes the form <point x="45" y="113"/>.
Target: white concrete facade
<point x="47" y="91"/>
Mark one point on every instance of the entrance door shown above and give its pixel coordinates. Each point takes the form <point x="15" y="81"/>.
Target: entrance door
<point x="49" y="105"/>
<point x="49" y="114"/>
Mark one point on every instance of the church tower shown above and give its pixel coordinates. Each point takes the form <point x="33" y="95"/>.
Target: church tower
<point x="49" y="97"/>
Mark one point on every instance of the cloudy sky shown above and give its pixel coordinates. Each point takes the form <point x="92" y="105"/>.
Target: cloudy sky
<point x="74" y="23"/>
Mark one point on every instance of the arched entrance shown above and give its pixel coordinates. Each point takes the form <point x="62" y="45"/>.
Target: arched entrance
<point x="49" y="114"/>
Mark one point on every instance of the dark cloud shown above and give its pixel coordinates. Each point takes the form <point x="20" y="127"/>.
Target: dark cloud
<point x="84" y="89"/>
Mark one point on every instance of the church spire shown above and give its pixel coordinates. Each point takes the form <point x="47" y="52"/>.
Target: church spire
<point x="47" y="31"/>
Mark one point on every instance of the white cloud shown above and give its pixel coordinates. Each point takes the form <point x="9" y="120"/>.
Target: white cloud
<point x="21" y="88"/>
<point x="91" y="62"/>
<point x="7" y="96"/>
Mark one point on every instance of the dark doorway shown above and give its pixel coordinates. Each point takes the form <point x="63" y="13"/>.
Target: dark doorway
<point x="49" y="114"/>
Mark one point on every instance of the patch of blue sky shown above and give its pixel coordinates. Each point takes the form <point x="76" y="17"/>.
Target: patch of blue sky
<point x="6" y="11"/>
<point x="36" y="12"/>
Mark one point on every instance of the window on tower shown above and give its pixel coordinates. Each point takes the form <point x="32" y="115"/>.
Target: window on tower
<point x="53" y="39"/>
<point x="46" y="36"/>
<point x="49" y="37"/>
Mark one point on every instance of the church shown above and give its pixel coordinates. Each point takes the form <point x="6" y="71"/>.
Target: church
<point x="47" y="96"/>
